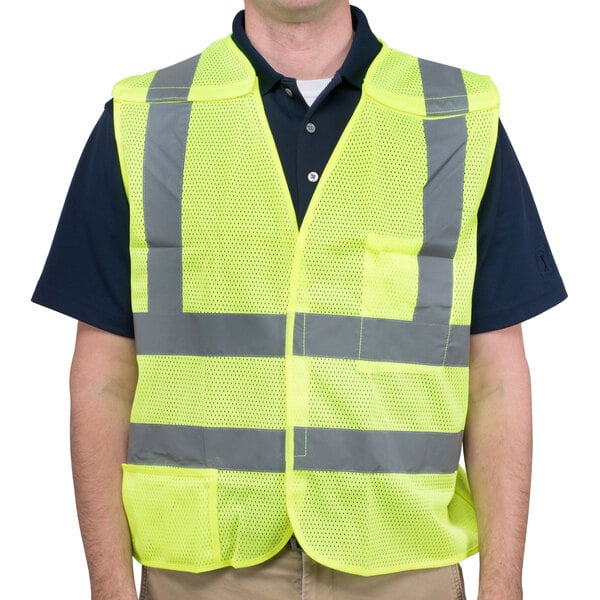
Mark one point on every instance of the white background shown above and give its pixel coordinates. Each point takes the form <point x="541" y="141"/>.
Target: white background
<point x="59" y="62"/>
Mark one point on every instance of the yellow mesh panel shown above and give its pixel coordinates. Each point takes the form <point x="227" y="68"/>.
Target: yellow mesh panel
<point x="130" y="120"/>
<point x="219" y="66"/>
<point x="481" y="128"/>
<point x="476" y="84"/>
<point x="253" y="524"/>
<point x="334" y="250"/>
<point x="398" y="73"/>
<point x="417" y="399"/>
<point x="138" y="81"/>
<point x="172" y="514"/>
<point x="238" y="224"/>
<point x="210" y="391"/>
<point x="382" y="517"/>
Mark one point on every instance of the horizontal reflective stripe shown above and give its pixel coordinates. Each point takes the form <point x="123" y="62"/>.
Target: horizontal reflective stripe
<point x="323" y="449"/>
<point x="315" y="449"/>
<point x="328" y="336"/>
<point x="210" y="334"/>
<point x="386" y="340"/>
<point x="231" y="449"/>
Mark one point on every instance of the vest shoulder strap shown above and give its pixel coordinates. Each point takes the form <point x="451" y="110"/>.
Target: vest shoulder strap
<point x="425" y="88"/>
<point x="221" y="71"/>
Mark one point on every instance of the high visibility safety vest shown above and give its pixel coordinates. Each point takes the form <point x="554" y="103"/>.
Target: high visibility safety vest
<point x="312" y="381"/>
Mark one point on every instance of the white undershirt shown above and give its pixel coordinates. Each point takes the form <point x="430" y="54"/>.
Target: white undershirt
<point x="311" y="88"/>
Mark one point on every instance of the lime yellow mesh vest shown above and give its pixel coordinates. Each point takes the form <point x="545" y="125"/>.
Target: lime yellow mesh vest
<point x="312" y="381"/>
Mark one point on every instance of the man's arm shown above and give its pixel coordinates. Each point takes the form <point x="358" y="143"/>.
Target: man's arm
<point x="103" y="380"/>
<point x="498" y="445"/>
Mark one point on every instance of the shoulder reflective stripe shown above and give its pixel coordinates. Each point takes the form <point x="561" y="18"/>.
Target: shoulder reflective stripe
<point x="444" y="88"/>
<point x="442" y="214"/>
<point x="357" y="338"/>
<point x="231" y="449"/>
<point x="164" y="156"/>
<point x="322" y="449"/>
<point x="210" y="334"/>
<point x="174" y="82"/>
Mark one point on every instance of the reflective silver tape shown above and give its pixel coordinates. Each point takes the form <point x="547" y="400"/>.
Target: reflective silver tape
<point x="444" y="88"/>
<point x="210" y="334"/>
<point x="164" y="157"/>
<point x="389" y="340"/>
<point x="315" y="449"/>
<point x="324" y="449"/>
<point x="330" y="336"/>
<point x="442" y="214"/>
<point x="230" y="449"/>
<point x="174" y="82"/>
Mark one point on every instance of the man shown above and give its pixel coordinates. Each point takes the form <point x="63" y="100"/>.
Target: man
<point x="308" y="251"/>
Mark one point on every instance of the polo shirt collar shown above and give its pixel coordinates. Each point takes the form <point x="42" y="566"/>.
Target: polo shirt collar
<point x="365" y="47"/>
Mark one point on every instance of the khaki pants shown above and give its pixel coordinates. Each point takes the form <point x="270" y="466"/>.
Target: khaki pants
<point x="292" y="575"/>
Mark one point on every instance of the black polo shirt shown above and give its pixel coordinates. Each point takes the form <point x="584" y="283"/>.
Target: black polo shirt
<point x="87" y="273"/>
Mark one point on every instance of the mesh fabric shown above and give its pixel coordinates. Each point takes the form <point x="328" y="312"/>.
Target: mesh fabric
<point x="356" y="255"/>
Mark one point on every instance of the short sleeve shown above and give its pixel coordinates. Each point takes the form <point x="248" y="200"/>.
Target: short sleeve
<point x="87" y="272"/>
<point x="516" y="276"/>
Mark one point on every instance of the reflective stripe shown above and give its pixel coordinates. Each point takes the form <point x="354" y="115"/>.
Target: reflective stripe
<point x="164" y="156"/>
<point x="174" y="82"/>
<point x="443" y="88"/>
<point x="230" y="449"/>
<point x="446" y="139"/>
<point x="210" y="334"/>
<point x="331" y="336"/>
<point x="315" y="449"/>
<point x="389" y="340"/>
<point x="322" y="449"/>
<point x="442" y="214"/>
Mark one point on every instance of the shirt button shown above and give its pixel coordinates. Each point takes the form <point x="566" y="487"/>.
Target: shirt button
<point x="313" y="177"/>
<point x="311" y="127"/>
<point x="289" y="92"/>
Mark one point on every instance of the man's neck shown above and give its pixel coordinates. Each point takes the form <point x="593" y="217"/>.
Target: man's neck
<point x="312" y="48"/>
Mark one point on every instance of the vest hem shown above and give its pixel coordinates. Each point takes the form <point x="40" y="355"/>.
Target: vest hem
<point x="218" y="565"/>
<point x="338" y="566"/>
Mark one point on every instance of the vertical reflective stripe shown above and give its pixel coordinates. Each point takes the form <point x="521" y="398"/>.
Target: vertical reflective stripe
<point x="174" y="82"/>
<point x="164" y="156"/>
<point x="444" y="88"/>
<point x="442" y="213"/>
<point x="353" y="450"/>
<point x="445" y="94"/>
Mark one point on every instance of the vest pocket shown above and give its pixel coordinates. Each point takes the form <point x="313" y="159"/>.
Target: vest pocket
<point x="390" y="277"/>
<point x="172" y="514"/>
<point x="405" y="309"/>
